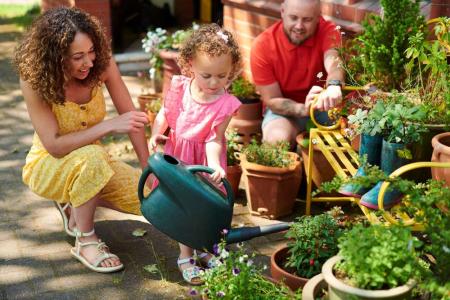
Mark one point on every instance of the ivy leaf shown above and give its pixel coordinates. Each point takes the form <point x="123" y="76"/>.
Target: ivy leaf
<point x="152" y="269"/>
<point x="140" y="232"/>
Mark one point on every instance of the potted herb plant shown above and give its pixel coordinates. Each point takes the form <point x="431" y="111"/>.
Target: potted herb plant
<point x="234" y="170"/>
<point x="238" y="277"/>
<point x="375" y="262"/>
<point x="163" y="49"/>
<point x="272" y="175"/>
<point x="248" y="118"/>
<point x="153" y="108"/>
<point x="311" y="241"/>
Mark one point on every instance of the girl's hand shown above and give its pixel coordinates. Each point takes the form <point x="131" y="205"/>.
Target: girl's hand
<point x="157" y="139"/>
<point x="132" y="121"/>
<point x="218" y="174"/>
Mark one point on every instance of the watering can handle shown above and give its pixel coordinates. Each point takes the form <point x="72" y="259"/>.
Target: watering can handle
<point x="229" y="190"/>
<point x="147" y="171"/>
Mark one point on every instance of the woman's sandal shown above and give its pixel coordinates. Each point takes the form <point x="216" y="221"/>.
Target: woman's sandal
<point x="102" y="248"/>
<point x="210" y="263"/>
<point x="192" y="274"/>
<point x="62" y="211"/>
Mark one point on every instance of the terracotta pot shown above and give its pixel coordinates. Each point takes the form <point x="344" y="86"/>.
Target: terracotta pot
<point x="271" y="191"/>
<point x="441" y="153"/>
<point x="314" y="287"/>
<point x="277" y="261"/>
<point x="170" y="67"/>
<point x="234" y="177"/>
<point x="356" y="142"/>
<point x="322" y="170"/>
<point x="338" y="290"/>
<point x="143" y="100"/>
<point x="151" y="117"/>
<point x="247" y="121"/>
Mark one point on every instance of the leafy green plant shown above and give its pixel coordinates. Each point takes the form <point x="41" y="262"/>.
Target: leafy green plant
<point x="154" y="106"/>
<point x="378" y="257"/>
<point x="312" y="240"/>
<point x="270" y="155"/>
<point x="428" y="71"/>
<point x="232" y="147"/>
<point x="429" y="203"/>
<point x="380" y="48"/>
<point x="242" y="88"/>
<point x="238" y="277"/>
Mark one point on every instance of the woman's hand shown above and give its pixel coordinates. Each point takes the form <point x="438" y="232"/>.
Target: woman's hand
<point x="157" y="139"/>
<point x="218" y="174"/>
<point x="131" y="121"/>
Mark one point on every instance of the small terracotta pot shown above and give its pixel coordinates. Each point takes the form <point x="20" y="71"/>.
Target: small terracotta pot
<point x="247" y="121"/>
<point x="170" y="67"/>
<point x="338" y="290"/>
<point x="151" y="117"/>
<point x="271" y="191"/>
<point x="277" y="260"/>
<point x="234" y="177"/>
<point x="441" y="153"/>
<point x="144" y="99"/>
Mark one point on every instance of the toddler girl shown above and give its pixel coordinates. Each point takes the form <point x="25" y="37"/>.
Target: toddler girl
<point x="197" y="108"/>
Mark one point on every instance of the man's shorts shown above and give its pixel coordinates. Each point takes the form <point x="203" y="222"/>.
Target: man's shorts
<point x="321" y="117"/>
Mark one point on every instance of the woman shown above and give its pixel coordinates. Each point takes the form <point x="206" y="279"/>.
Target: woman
<point x="63" y="60"/>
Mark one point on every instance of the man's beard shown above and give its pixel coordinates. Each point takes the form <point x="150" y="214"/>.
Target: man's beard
<point x="295" y="42"/>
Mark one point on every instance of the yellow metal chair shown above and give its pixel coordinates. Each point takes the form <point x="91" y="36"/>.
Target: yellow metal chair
<point x="344" y="161"/>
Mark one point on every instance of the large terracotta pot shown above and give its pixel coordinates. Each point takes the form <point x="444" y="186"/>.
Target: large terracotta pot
<point x="271" y="191"/>
<point x="338" y="290"/>
<point x="170" y="67"/>
<point x="322" y="170"/>
<point x="234" y="177"/>
<point x="247" y="121"/>
<point x="441" y="153"/>
<point x="277" y="261"/>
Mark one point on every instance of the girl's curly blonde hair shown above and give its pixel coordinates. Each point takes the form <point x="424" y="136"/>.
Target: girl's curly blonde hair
<point x="214" y="41"/>
<point x="40" y="58"/>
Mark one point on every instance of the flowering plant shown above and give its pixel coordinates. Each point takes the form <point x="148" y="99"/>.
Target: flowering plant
<point x="237" y="277"/>
<point x="160" y="39"/>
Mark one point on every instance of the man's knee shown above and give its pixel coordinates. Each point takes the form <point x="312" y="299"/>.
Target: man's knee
<point x="274" y="134"/>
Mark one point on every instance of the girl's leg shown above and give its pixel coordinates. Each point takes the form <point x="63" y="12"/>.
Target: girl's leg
<point x="84" y="218"/>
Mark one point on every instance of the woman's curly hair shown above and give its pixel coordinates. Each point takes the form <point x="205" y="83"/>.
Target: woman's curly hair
<point x="40" y="58"/>
<point x="214" y="41"/>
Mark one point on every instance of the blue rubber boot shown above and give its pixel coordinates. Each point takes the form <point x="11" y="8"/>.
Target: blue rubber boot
<point x="371" y="147"/>
<point x="390" y="161"/>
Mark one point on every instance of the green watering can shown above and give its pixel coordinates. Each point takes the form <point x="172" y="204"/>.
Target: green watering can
<point x="190" y="209"/>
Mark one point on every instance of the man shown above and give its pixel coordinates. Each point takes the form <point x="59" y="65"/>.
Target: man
<point x="290" y="62"/>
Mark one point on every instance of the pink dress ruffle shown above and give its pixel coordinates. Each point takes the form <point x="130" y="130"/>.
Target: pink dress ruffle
<point x="193" y="124"/>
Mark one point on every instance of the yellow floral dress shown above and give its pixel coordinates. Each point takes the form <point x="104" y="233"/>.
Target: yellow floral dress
<point x="86" y="171"/>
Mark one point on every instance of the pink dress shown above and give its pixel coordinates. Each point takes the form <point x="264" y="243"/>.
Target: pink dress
<point x="193" y="124"/>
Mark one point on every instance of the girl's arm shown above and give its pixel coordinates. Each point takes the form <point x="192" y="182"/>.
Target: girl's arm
<point x="123" y="103"/>
<point x="213" y="150"/>
<point x="159" y="127"/>
<point x="46" y="125"/>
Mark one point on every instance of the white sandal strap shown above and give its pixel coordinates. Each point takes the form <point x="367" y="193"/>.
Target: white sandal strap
<point x="102" y="257"/>
<point x="200" y="254"/>
<point x="182" y="261"/>
<point x="83" y="234"/>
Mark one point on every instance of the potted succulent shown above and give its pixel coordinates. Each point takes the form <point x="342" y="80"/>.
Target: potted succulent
<point x="248" y="118"/>
<point x="153" y="108"/>
<point x="238" y="277"/>
<point x="375" y="262"/>
<point x="234" y="170"/>
<point x="272" y="175"/>
<point x="163" y="49"/>
<point x="312" y="240"/>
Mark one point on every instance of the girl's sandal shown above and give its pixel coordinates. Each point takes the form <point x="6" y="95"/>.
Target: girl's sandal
<point x="192" y="274"/>
<point x="102" y="249"/>
<point x="62" y="211"/>
<point x="210" y="263"/>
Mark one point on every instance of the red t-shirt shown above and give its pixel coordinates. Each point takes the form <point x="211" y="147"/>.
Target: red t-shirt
<point x="274" y="59"/>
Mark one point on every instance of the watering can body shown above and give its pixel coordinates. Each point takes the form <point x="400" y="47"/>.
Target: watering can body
<point x="190" y="209"/>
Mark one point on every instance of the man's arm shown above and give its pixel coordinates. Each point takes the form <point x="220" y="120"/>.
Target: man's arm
<point x="332" y="95"/>
<point x="273" y="98"/>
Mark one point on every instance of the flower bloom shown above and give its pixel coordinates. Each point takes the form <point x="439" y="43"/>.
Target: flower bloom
<point x="192" y="292"/>
<point x="225" y="231"/>
<point x="236" y="271"/>
<point x="216" y="249"/>
<point x="220" y="294"/>
<point x="311" y="262"/>
<point x="319" y="75"/>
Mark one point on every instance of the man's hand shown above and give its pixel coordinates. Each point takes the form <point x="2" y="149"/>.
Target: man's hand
<point x="329" y="98"/>
<point x="313" y="93"/>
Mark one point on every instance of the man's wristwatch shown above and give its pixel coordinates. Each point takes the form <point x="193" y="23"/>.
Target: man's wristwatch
<point x="334" y="82"/>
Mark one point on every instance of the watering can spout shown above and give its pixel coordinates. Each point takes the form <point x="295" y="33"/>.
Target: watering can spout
<point x="241" y="234"/>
